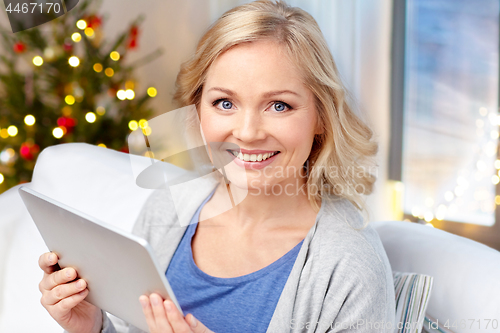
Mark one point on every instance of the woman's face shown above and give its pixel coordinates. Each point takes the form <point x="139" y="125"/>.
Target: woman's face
<point x="254" y="97"/>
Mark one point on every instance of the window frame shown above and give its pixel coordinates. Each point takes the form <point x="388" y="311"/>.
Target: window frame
<point x="488" y="235"/>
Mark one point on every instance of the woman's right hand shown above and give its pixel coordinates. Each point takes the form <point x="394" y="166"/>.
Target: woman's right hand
<point x="63" y="297"/>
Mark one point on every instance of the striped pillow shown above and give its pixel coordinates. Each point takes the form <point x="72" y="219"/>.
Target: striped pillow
<point x="412" y="292"/>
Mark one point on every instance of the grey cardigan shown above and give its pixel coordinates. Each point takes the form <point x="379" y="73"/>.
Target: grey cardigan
<point x="341" y="280"/>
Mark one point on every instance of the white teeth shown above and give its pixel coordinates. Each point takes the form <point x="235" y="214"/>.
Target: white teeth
<point x="253" y="157"/>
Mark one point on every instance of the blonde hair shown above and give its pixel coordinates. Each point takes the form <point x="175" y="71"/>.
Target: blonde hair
<point x="345" y="144"/>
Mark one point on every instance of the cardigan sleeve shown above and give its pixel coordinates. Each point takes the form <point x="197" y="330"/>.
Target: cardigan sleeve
<point x="366" y="309"/>
<point x="367" y="299"/>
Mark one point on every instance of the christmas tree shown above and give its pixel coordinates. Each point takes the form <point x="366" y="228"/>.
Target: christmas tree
<point x="66" y="83"/>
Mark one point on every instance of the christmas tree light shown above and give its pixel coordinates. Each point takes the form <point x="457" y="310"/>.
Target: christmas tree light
<point x="29" y="120"/>
<point x="38" y="61"/>
<point x="74" y="61"/>
<point x="81" y="24"/>
<point x="114" y="56"/>
<point x="49" y="102"/>
<point x="76" y="37"/>
<point x="152" y="91"/>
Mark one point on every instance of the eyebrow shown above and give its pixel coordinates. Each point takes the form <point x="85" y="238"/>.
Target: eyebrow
<point x="266" y="95"/>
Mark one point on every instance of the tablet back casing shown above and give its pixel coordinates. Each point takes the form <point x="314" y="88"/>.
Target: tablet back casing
<point x="117" y="266"/>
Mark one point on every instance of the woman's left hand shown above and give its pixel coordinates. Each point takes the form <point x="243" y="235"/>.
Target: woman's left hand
<point x="164" y="317"/>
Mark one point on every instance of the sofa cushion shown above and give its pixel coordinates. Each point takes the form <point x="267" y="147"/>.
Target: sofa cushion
<point x="465" y="272"/>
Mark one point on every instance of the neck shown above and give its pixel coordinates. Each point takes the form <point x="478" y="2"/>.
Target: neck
<point x="285" y="204"/>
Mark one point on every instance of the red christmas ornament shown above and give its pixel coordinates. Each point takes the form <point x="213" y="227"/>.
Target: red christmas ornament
<point x="28" y="151"/>
<point x="134" y="31"/>
<point x="67" y="47"/>
<point x="67" y="122"/>
<point x="35" y="149"/>
<point x="61" y="121"/>
<point x="124" y="149"/>
<point x="93" y="21"/>
<point x="132" y="44"/>
<point x="132" y="37"/>
<point x="19" y="47"/>
<point x="71" y="122"/>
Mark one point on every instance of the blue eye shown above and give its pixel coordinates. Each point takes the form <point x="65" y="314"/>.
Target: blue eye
<point x="278" y="106"/>
<point x="227" y="105"/>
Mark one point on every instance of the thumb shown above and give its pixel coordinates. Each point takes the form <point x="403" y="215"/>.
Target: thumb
<point x="197" y="325"/>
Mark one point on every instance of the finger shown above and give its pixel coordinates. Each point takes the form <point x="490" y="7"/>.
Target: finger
<point x="63" y="307"/>
<point x="63" y="291"/>
<point x="48" y="262"/>
<point x="49" y="282"/>
<point x="161" y="320"/>
<point x="196" y="325"/>
<point x="175" y="318"/>
<point x="148" y="312"/>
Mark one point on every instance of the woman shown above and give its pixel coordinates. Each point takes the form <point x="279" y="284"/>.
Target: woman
<point x="295" y="253"/>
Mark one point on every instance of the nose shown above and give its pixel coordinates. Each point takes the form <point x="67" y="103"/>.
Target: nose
<point x="249" y="126"/>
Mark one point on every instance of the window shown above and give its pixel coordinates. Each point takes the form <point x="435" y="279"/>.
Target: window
<point x="445" y="120"/>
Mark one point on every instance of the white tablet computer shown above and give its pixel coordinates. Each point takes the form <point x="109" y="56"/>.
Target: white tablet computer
<point x="117" y="266"/>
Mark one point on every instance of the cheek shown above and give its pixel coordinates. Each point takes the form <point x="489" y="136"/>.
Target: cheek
<point x="298" y="135"/>
<point x="215" y="128"/>
<point x="208" y="126"/>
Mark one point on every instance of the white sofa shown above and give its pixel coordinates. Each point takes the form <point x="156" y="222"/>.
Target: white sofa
<point x="101" y="182"/>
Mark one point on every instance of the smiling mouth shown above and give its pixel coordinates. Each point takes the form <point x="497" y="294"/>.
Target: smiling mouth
<point x="252" y="157"/>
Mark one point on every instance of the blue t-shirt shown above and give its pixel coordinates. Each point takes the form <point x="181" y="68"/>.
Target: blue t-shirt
<point x="240" y="304"/>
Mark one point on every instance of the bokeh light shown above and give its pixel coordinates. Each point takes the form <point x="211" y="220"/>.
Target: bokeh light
<point x="90" y="117"/>
<point x="81" y="24"/>
<point x="69" y="99"/>
<point x="121" y="94"/>
<point x="114" y="56"/>
<point x="38" y="61"/>
<point x="57" y="132"/>
<point x="74" y="61"/>
<point x="133" y="125"/>
<point x="12" y="130"/>
<point x="76" y="37"/>
<point x="152" y="92"/>
<point x="29" y="120"/>
<point x="98" y="67"/>
<point x="109" y="72"/>
<point x="130" y="94"/>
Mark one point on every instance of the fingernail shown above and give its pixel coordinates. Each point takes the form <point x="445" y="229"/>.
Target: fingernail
<point x="68" y="273"/>
<point x="79" y="284"/>
<point x="143" y="302"/>
<point x="193" y="322"/>
<point x="154" y="300"/>
<point x="52" y="258"/>
<point x="168" y="306"/>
